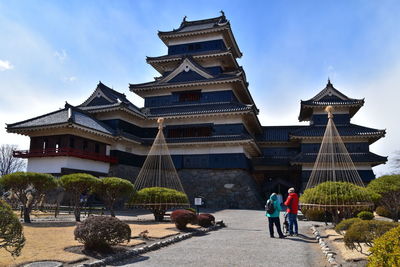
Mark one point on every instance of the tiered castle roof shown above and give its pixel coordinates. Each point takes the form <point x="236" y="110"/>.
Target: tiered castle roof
<point x="329" y="96"/>
<point x="202" y="27"/>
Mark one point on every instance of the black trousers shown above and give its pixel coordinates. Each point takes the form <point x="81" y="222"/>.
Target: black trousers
<point x="276" y="221"/>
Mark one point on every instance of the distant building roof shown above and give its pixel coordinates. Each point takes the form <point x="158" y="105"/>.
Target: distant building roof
<point x="345" y="130"/>
<point x="329" y="96"/>
<point x="197" y="109"/>
<point x="61" y="117"/>
<point x="356" y="157"/>
<point x="104" y="95"/>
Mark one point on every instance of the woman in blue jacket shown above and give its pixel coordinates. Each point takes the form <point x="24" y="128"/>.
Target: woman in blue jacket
<point x="273" y="218"/>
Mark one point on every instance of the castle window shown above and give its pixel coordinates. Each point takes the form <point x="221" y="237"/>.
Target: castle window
<point x="189" y="96"/>
<point x="85" y="144"/>
<point x="190" y="132"/>
<point x="97" y="148"/>
<point x="72" y="142"/>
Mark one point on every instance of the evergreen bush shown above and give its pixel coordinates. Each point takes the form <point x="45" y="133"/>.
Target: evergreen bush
<point x="345" y="225"/>
<point x="365" y="232"/>
<point x="388" y="187"/>
<point x="386" y="249"/>
<point x="327" y="194"/>
<point x="11" y="235"/>
<point x="110" y="189"/>
<point x="28" y="187"/>
<point x="182" y="217"/>
<point x="78" y="184"/>
<point x="158" y="200"/>
<point x="101" y="232"/>
<point x="365" y="215"/>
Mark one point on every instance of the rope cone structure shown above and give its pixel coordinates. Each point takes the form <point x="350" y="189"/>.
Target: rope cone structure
<point x="334" y="184"/>
<point x="159" y="177"/>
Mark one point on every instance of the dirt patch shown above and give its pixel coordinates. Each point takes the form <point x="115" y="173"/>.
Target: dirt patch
<point x="55" y="241"/>
<point x="44" y="243"/>
<point x="345" y="253"/>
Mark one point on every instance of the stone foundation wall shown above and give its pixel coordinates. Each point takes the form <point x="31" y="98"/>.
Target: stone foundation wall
<point x="229" y="188"/>
<point x="124" y="171"/>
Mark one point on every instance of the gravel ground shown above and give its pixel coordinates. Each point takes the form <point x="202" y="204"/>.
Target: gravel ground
<point x="245" y="242"/>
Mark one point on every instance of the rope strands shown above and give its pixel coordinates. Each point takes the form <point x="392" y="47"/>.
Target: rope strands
<point x="158" y="185"/>
<point x="334" y="184"/>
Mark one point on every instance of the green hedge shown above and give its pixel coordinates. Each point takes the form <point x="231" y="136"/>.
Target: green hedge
<point x="327" y="193"/>
<point x="364" y="232"/>
<point x="365" y="215"/>
<point x="158" y="195"/>
<point x="386" y="249"/>
<point x="345" y="225"/>
<point x="11" y="233"/>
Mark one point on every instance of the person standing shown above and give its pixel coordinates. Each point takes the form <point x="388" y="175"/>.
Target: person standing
<point x="292" y="204"/>
<point x="273" y="209"/>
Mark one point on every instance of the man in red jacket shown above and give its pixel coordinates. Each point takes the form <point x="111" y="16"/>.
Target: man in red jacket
<point x="292" y="204"/>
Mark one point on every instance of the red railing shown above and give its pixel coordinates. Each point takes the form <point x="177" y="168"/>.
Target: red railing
<point x="68" y="152"/>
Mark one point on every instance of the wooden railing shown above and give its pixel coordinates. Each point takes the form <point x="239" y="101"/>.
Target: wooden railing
<point x="65" y="152"/>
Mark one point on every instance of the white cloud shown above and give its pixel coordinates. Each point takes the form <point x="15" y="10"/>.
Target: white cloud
<point x="70" y="79"/>
<point x="5" y="65"/>
<point x="61" y="55"/>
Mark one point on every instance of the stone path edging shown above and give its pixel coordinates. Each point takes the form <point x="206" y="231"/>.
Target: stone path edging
<point x="330" y="255"/>
<point x="148" y="248"/>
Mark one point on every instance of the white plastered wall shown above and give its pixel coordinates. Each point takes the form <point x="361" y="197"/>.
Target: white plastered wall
<point x="54" y="164"/>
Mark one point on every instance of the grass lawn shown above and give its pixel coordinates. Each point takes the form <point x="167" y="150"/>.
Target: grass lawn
<point x="47" y="241"/>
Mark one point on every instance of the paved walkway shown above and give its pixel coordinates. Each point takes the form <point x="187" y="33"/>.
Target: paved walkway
<point x="245" y="242"/>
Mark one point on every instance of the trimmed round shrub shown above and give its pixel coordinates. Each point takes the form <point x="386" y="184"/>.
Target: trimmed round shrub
<point x="365" y="232"/>
<point x="101" y="232"/>
<point x="11" y="234"/>
<point x="345" y="225"/>
<point x="351" y="196"/>
<point x="365" y="215"/>
<point x="386" y="249"/>
<point x="383" y="211"/>
<point x="182" y="217"/>
<point x="205" y="220"/>
<point x="158" y="200"/>
<point x="326" y="194"/>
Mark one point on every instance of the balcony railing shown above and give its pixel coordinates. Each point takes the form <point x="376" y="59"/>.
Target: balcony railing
<point x="65" y="152"/>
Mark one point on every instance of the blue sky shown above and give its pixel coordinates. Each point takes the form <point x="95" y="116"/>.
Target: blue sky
<point x="57" y="51"/>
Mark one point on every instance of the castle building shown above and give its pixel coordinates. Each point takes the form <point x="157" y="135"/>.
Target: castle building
<point x="218" y="146"/>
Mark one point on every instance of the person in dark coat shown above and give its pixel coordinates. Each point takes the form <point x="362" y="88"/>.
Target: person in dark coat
<point x="273" y="218"/>
<point x="292" y="204"/>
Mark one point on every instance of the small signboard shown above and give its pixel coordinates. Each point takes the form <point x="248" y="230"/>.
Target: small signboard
<point x="198" y="201"/>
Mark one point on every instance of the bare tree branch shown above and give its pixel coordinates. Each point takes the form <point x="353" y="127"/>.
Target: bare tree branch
<point x="9" y="164"/>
